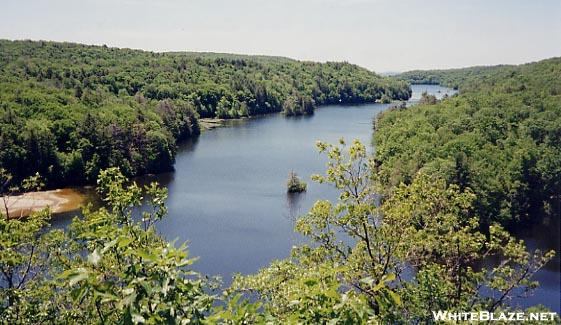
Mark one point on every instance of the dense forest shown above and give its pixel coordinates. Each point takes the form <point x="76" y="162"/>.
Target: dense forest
<point x="68" y="111"/>
<point x="500" y="137"/>
<point x="506" y="77"/>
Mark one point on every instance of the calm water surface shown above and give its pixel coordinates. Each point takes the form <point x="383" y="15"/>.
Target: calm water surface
<point x="227" y="196"/>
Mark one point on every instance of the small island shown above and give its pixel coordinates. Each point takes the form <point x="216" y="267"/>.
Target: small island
<point x="295" y="184"/>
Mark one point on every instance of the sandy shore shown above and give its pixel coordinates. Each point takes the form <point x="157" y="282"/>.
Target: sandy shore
<point x="210" y="123"/>
<point x="61" y="200"/>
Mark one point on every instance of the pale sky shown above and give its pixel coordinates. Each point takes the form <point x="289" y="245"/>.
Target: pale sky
<point x="382" y="35"/>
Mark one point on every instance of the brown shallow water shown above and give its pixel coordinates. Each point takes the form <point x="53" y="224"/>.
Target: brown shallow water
<point x="58" y="201"/>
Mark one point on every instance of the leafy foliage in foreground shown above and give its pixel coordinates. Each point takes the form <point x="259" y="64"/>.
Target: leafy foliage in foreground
<point x="68" y="111"/>
<point x="109" y="267"/>
<point x="501" y="137"/>
<point x="419" y="251"/>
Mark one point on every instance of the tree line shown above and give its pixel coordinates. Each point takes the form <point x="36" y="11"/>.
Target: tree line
<point x="68" y="110"/>
<point x="500" y="137"/>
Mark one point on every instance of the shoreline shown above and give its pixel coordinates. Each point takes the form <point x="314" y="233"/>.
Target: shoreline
<point x="58" y="201"/>
<point x="211" y="123"/>
<point x="71" y="199"/>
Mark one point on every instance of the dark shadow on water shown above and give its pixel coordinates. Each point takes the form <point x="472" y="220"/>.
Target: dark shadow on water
<point x="300" y="117"/>
<point x="188" y="145"/>
<point x="163" y="180"/>
<point x="294" y="205"/>
<point x="543" y="235"/>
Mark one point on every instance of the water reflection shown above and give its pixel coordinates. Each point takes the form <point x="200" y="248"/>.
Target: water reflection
<point x="188" y="145"/>
<point x="294" y="205"/>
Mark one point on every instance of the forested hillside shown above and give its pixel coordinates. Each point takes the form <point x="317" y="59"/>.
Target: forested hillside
<point x="449" y="77"/>
<point x="501" y="137"/>
<point x="507" y="78"/>
<point x="69" y="110"/>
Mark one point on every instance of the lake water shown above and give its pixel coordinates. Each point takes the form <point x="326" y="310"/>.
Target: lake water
<point x="228" y="198"/>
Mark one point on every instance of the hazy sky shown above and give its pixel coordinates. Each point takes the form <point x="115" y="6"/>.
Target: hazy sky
<point x="383" y="35"/>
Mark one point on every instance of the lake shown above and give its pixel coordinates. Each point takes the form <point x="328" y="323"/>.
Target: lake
<point x="227" y="195"/>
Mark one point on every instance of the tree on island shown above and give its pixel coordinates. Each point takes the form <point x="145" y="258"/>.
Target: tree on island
<point x="295" y="184"/>
<point x="427" y="99"/>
